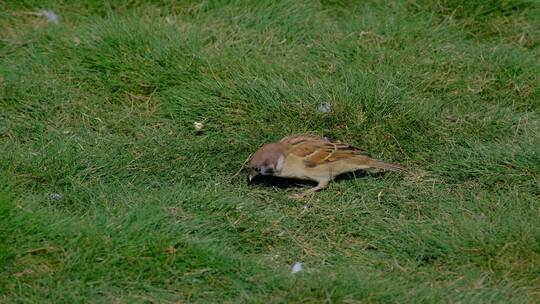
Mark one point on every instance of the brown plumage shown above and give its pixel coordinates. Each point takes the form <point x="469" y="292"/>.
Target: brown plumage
<point x="311" y="157"/>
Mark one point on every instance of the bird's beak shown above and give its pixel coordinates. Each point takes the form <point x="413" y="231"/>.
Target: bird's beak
<point x="252" y="174"/>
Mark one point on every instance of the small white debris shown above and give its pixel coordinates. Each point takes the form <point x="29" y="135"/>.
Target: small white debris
<point x="325" y="107"/>
<point x="304" y="209"/>
<point x="379" y="195"/>
<point x="297" y="267"/>
<point x="55" y="197"/>
<point x="49" y="15"/>
<point x="198" y="126"/>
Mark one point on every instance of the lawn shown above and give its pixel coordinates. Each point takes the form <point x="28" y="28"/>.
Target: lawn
<point x="109" y="194"/>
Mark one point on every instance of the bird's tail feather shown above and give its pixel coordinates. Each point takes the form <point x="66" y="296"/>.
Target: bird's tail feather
<point x="377" y="164"/>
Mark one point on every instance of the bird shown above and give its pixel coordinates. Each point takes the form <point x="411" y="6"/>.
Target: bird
<point x="312" y="157"/>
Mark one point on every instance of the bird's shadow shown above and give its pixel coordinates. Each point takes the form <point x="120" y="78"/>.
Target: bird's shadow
<point x="286" y="183"/>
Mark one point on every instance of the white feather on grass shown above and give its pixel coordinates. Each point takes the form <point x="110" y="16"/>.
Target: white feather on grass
<point x="297" y="267"/>
<point x="49" y="15"/>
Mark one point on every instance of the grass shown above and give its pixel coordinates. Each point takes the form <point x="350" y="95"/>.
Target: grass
<point x="100" y="110"/>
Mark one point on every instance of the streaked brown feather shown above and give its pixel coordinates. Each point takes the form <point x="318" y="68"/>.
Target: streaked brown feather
<point x="317" y="150"/>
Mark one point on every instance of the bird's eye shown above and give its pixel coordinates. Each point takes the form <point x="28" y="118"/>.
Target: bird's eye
<point x="257" y="169"/>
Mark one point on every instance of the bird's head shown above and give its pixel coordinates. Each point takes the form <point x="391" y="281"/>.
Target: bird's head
<point x="268" y="160"/>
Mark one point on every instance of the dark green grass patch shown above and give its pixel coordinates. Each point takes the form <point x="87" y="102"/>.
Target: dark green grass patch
<point x="108" y="193"/>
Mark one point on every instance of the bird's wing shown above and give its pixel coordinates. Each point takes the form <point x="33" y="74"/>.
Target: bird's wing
<point x="316" y="150"/>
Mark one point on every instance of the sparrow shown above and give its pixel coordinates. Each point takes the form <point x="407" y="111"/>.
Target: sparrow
<point x="312" y="157"/>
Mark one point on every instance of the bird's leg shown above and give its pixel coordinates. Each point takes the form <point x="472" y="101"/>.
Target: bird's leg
<point x="319" y="186"/>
